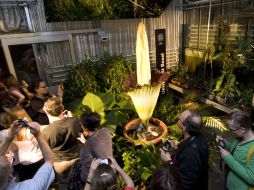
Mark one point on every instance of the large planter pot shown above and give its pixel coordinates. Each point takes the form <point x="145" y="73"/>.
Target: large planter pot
<point x="155" y="124"/>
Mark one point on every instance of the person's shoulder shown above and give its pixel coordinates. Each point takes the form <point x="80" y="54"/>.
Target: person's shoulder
<point x="72" y="119"/>
<point x="196" y="143"/>
<point x="66" y="122"/>
<point x="35" y="100"/>
<point x="104" y="130"/>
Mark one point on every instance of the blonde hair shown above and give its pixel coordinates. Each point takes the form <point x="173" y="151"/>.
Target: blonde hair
<point x="14" y="114"/>
<point x="54" y="106"/>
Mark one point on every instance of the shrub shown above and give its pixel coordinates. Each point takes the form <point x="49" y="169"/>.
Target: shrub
<point x="114" y="72"/>
<point x="81" y="79"/>
<point x="97" y="75"/>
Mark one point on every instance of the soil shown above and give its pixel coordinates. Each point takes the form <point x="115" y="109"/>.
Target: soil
<point x="135" y="132"/>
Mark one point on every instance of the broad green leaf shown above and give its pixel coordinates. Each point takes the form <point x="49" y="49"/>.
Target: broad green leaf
<point x="94" y="103"/>
<point x="108" y="99"/>
<point x="145" y="175"/>
<point x="116" y="118"/>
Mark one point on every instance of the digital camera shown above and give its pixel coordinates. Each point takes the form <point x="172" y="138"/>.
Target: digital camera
<point x="166" y="146"/>
<point x="106" y="161"/>
<point x="23" y="122"/>
<point x="222" y="144"/>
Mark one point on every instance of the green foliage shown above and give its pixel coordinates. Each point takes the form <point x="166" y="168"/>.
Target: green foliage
<point x="140" y="163"/>
<point x="97" y="75"/>
<point x="76" y="10"/>
<point x="180" y="73"/>
<point x="75" y="107"/>
<point x="227" y="86"/>
<point x="113" y="109"/>
<point x="175" y="131"/>
<point x="81" y="79"/>
<point x="193" y="58"/>
<point x="246" y="97"/>
<point x="70" y="10"/>
<point x="166" y="109"/>
<point x="114" y="71"/>
<point x="214" y="123"/>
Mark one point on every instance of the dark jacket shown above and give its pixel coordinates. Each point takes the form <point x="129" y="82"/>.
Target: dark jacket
<point x="62" y="136"/>
<point x="33" y="110"/>
<point x="191" y="160"/>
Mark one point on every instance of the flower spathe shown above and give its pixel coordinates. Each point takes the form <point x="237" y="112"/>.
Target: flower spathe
<point x="144" y="100"/>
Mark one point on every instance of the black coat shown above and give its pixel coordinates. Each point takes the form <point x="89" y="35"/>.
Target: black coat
<point x="191" y="161"/>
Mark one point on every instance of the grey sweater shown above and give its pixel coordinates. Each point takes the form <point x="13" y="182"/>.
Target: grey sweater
<point x="99" y="145"/>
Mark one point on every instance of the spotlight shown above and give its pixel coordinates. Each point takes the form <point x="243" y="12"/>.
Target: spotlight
<point x="103" y="36"/>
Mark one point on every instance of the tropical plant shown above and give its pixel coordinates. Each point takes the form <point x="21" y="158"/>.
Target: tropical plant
<point x="73" y="10"/>
<point x="112" y="73"/>
<point x="227" y="86"/>
<point x="246" y="97"/>
<point x="141" y="163"/>
<point x="180" y="73"/>
<point x="81" y="79"/>
<point x="105" y="74"/>
<point x="193" y="58"/>
<point x="214" y="123"/>
<point x="168" y="109"/>
<point x="114" y="109"/>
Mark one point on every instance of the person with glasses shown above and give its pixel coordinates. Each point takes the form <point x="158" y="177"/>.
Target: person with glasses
<point x="40" y="90"/>
<point x="238" y="154"/>
<point x="191" y="157"/>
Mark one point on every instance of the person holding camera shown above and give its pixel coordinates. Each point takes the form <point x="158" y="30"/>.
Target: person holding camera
<point x="27" y="153"/>
<point x="62" y="134"/>
<point x="102" y="176"/>
<point x="191" y="157"/>
<point x="98" y="142"/>
<point x="238" y="154"/>
<point x="43" y="177"/>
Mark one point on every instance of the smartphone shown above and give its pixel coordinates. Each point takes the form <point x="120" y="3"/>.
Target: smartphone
<point x="222" y="144"/>
<point x="106" y="161"/>
<point x="23" y="122"/>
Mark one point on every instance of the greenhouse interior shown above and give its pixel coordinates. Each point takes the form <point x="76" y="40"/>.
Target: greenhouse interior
<point x="127" y="94"/>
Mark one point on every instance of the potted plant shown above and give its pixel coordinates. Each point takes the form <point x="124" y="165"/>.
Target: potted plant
<point x="144" y="88"/>
<point x="226" y="87"/>
<point x="180" y="76"/>
<point x="245" y="102"/>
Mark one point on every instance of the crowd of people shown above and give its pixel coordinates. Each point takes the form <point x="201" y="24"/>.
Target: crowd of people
<point x="44" y="146"/>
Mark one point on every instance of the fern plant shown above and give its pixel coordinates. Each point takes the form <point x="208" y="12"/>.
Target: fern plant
<point x="214" y="123"/>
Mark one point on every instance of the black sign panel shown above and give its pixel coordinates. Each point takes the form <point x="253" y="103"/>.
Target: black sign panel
<point x="160" y="44"/>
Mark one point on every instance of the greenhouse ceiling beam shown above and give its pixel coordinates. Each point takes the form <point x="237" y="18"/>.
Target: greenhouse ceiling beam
<point x="196" y="5"/>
